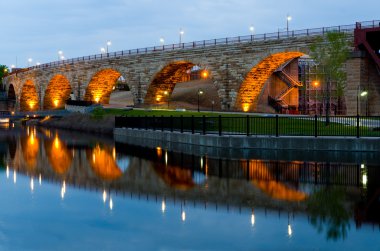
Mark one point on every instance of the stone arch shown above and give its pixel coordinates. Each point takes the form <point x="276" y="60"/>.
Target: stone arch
<point x="165" y="80"/>
<point x="254" y="81"/>
<point x="57" y="92"/>
<point x="29" y="97"/>
<point x="101" y="85"/>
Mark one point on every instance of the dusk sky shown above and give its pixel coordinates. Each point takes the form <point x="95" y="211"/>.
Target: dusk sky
<point x="39" y="29"/>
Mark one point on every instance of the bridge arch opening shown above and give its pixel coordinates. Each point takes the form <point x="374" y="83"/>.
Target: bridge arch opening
<point x="251" y="89"/>
<point x="121" y="94"/>
<point x="11" y="97"/>
<point x="177" y="84"/>
<point x="29" y="97"/>
<point x="57" y="92"/>
<point x="101" y="85"/>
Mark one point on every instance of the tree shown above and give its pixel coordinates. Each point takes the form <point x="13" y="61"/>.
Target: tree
<point x="3" y="71"/>
<point x="330" y="53"/>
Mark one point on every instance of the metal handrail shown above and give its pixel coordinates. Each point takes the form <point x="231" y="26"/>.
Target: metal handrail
<point x="213" y="42"/>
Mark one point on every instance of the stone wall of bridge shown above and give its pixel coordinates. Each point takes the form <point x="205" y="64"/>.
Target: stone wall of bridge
<point x="236" y="71"/>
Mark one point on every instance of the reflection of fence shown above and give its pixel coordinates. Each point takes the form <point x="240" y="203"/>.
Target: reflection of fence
<point x="213" y="42"/>
<point x="354" y="126"/>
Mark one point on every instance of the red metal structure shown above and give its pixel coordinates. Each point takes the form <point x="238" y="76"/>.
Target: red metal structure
<point x="368" y="39"/>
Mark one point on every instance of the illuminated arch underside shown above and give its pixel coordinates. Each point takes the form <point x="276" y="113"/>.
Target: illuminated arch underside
<point x="59" y="156"/>
<point x="57" y="92"/>
<point x="29" y="97"/>
<point x="272" y="188"/>
<point x="101" y="85"/>
<point x="253" y="83"/>
<point x="165" y="80"/>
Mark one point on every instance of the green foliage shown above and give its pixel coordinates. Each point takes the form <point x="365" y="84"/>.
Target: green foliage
<point x="3" y="70"/>
<point x="331" y="52"/>
<point x="98" y="113"/>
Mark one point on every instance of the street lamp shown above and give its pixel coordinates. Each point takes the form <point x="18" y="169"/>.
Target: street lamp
<point x="60" y="54"/>
<point x="200" y="92"/>
<point x="102" y="50"/>
<point x="181" y="32"/>
<point x="252" y="29"/>
<point x="288" y="18"/>
<point x="359" y="94"/>
<point x="162" y="41"/>
<point x="108" y="44"/>
<point x="30" y="60"/>
<point x="166" y="93"/>
<point x="316" y="84"/>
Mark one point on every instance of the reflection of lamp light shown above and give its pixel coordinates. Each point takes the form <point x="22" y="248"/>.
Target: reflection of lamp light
<point x="40" y="179"/>
<point x="290" y="231"/>
<point x="32" y="184"/>
<point x="104" y="196"/>
<point x="14" y="176"/>
<point x="252" y="218"/>
<point x="163" y="206"/>
<point x="111" y="203"/>
<point x="7" y="172"/>
<point x="183" y="215"/>
<point x="166" y="157"/>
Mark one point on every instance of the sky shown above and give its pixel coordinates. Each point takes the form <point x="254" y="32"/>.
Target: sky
<point x="38" y="29"/>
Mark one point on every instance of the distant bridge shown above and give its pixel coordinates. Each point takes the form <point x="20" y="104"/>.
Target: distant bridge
<point x="240" y="69"/>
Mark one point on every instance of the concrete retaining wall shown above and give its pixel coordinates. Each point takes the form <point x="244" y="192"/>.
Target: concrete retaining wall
<point x="125" y="135"/>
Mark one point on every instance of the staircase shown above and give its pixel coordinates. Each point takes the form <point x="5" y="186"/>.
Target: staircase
<point x="368" y="39"/>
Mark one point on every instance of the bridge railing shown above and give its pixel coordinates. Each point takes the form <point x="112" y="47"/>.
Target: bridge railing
<point x="276" y="126"/>
<point x="213" y="42"/>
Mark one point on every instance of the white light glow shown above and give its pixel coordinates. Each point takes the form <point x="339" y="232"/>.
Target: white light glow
<point x="183" y="216"/>
<point x="364" y="179"/>
<point x="40" y="179"/>
<point x="163" y="206"/>
<point x="32" y="184"/>
<point x="166" y="158"/>
<point x="252" y="219"/>
<point x="7" y="172"/>
<point x="104" y="196"/>
<point x="14" y="176"/>
<point x="111" y="203"/>
<point x="290" y="231"/>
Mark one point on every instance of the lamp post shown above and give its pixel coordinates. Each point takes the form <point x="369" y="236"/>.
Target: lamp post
<point x="200" y="92"/>
<point x="359" y="94"/>
<point x="316" y="84"/>
<point x="60" y="54"/>
<point x="181" y="32"/>
<point x="102" y="50"/>
<point x="162" y="41"/>
<point x="166" y="93"/>
<point x="109" y="43"/>
<point x="252" y="30"/>
<point x="288" y="18"/>
<point x="30" y="60"/>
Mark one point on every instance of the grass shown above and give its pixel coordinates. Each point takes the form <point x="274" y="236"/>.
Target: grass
<point x="237" y="123"/>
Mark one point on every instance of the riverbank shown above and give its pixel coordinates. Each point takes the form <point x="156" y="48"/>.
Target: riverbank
<point x="81" y="122"/>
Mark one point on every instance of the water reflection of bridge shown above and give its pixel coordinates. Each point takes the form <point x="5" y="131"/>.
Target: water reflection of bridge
<point x="123" y="168"/>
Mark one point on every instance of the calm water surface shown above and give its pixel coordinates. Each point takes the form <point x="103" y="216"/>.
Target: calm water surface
<point x="68" y="191"/>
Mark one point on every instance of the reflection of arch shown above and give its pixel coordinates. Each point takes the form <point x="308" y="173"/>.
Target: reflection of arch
<point x="30" y="147"/>
<point x="57" y="92"/>
<point x="274" y="189"/>
<point x="12" y="147"/>
<point x="165" y="81"/>
<point x="253" y="83"/>
<point x="58" y="155"/>
<point x="29" y="97"/>
<point x="175" y="177"/>
<point x="100" y="87"/>
<point x="103" y="163"/>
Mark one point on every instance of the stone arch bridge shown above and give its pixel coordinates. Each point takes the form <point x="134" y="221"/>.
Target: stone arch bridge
<point x="239" y="67"/>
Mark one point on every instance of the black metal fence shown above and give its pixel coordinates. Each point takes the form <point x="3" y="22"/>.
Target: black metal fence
<point x="347" y="126"/>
